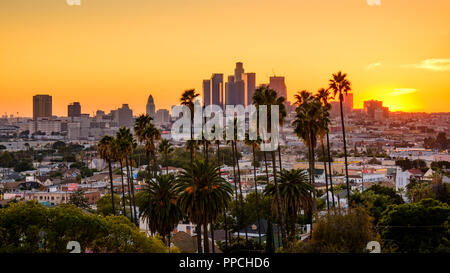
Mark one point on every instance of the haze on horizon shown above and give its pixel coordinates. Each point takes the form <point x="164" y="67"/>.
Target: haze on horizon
<point x="108" y="52"/>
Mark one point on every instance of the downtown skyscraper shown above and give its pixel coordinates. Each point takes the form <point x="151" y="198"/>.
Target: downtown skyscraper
<point x="42" y="107"/>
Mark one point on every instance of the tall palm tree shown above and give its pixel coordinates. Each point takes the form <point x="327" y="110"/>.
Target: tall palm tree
<point x="340" y="85"/>
<point x="324" y="95"/>
<point x="266" y="96"/>
<point x="308" y="123"/>
<point x="255" y="144"/>
<point x="148" y="134"/>
<point x="158" y="205"/>
<point x="295" y="196"/>
<point x="105" y="150"/>
<point x="188" y="99"/>
<point x="117" y="155"/>
<point x="166" y="149"/>
<point x="213" y="194"/>
<point x="126" y="144"/>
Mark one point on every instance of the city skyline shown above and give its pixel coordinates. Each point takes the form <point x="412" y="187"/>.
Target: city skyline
<point x="106" y="53"/>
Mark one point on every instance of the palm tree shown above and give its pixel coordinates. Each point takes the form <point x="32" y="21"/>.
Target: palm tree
<point x="212" y="194"/>
<point x="340" y="85"/>
<point x="188" y="99"/>
<point x="308" y="124"/>
<point x="255" y="144"/>
<point x="147" y="133"/>
<point x="126" y="144"/>
<point x="158" y="205"/>
<point x="105" y="150"/>
<point x="165" y="148"/>
<point x="295" y="196"/>
<point x="117" y="156"/>
<point x="323" y="95"/>
<point x="266" y="96"/>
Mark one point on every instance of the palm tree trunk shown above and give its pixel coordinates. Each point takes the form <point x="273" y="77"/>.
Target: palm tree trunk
<point x="112" y="186"/>
<point x="277" y="189"/>
<point x="133" y="217"/>
<point x="205" y="237"/>
<point x="345" y="149"/>
<point x="279" y="157"/>
<point x="256" y="194"/>
<point x="330" y="173"/>
<point x="226" y="228"/>
<point x="211" y="224"/>
<point x="136" y="218"/>
<point x="199" y="239"/>
<point x="326" y="175"/>
<point x="123" y="189"/>
<point x="240" y="191"/>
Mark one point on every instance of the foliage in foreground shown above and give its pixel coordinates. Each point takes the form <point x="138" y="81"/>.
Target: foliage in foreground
<point x="30" y="228"/>
<point x="417" y="228"/>
<point x="339" y="233"/>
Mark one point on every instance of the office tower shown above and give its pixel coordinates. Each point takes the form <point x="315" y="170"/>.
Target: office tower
<point x="277" y="84"/>
<point x="239" y="72"/>
<point x="124" y="116"/>
<point x="162" y="116"/>
<point x="206" y="92"/>
<point x="250" y="86"/>
<point x="74" y="110"/>
<point x="348" y="101"/>
<point x="150" y="107"/>
<point x="374" y="109"/>
<point x="239" y="85"/>
<point x="42" y="106"/>
<point x="217" y="89"/>
<point x="230" y="91"/>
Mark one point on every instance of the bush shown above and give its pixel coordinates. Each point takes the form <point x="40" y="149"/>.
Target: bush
<point x="341" y="233"/>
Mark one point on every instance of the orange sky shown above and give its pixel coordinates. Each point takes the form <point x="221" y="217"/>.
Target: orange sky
<point x="108" y="52"/>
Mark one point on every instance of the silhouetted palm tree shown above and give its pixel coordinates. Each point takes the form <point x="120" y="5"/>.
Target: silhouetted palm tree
<point x="266" y="96"/>
<point x="105" y="150"/>
<point x="126" y="146"/>
<point x="255" y="144"/>
<point x="340" y="86"/>
<point x="148" y="134"/>
<point x="188" y="99"/>
<point x="323" y="95"/>
<point x="308" y="123"/>
<point x="165" y="148"/>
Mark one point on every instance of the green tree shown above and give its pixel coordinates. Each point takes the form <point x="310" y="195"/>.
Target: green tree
<point x="107" y="205"/>
<point x="79" y="199"/>
<point x="421" y="227"/>
<point x="339" y="233"/>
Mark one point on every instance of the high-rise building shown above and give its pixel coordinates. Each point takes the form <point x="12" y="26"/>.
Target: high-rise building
<point x="150" y="107"/>
<point x="239" y="91"/>
<point x="217" y="89"/>
<point x="74" y="110"/>
<point x="42" y="106"/>
<point x="250" y="86"/>
<point x="124" y="116"/>
<point x="229" y="91"/>
<point x="206" y="92"/>
<point x="162" y="116"/>
<point x="374" y="109"/>
<point x="278" y="84"/>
